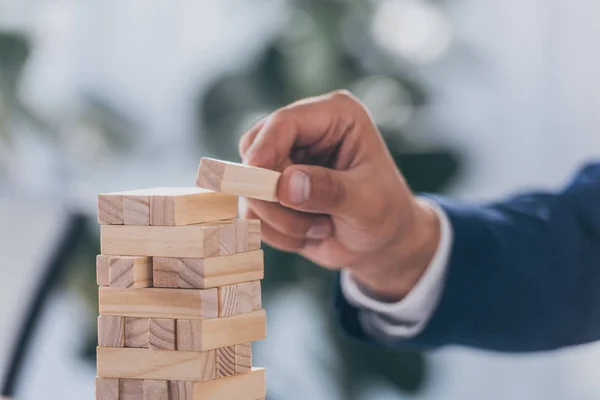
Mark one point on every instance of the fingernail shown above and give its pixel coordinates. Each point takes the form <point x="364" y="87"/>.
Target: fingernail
<point x="299" y="187"/>
<point x="319" y="230"/>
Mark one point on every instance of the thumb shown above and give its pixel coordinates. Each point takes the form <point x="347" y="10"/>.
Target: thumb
<point x="315" y="189"/>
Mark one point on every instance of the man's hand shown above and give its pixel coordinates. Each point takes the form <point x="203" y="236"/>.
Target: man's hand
<point x="343" y="202"/>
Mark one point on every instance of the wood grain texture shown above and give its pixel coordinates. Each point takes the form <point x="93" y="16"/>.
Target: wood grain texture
<point x="186" y="206"/>
<point x="248" y="235"/>
<point x="156" y="390"/>
<point x="159" y="303"/>
<point x="220" y="332"/>
<point x="243" y="358"/>
<point x="239" y="299"/>
<point x="136" y="332"/>
<point x="136" y="210"/>
<point x="225" y="361"/>
<point x="110" y="209"/>
<point x="131" y="389"/>
<point x="210" y="174"/>
<point x="192" y="241"/>
<point x="253" y="235"/>
<point x="256" y="295"/>
<point x="227" y="239"/>
<point x="165" y="206"/>
<point x="177" y="365"/>
<point x="111" y="331"/>
<point x="208" y="272"/>
<point x="130" y="272"/>
<point x="102" y="266"/>
<point x="238" y="179"/>
<point x="106" y="388"/>
<point x="162" y="334"/>
<point x="250" y="386"/>
<point x="180" y="390"/>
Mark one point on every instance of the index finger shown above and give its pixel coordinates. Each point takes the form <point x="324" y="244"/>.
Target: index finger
<point x="317" y="123"/>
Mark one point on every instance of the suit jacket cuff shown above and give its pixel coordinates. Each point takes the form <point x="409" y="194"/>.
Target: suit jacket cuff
<point x="407" y="318"/>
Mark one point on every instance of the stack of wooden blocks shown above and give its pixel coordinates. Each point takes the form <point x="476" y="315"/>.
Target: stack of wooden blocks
<point x="180" y="295"/>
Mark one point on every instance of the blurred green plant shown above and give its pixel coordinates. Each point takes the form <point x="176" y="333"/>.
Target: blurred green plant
<point x="326" y="46"/>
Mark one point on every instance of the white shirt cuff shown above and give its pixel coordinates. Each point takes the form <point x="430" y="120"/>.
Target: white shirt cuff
<point x="408" y="317"/>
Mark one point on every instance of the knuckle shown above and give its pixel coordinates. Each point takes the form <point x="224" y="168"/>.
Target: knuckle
<point x="342" y="95"/>
<point x="281" y="119"/>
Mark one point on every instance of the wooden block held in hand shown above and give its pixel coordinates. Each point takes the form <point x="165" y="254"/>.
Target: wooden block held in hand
<point x="250" y="386"/>
<point x="239" y="299"/>
<point x="136" y="209"/>
<point x="193" y="241"/>
<point x="186" y="206"/>
<point x="102" y="267"/>
<point x="130" y="272"/>
<point x="162" y="334"/>
<point x="111" y="331"/>
<point x="136" y="332"/>
<point x="134" y="363"/>
<point x="243" y="358"/>
<point x="131" y="389"/>
<point x="208" y="272"/>
<point x="156" y="390"/>
<point x="225" y="361"/>
<point x="220" y="332"/>
<point x="159" y="303"/>
<point x="107" y="388"/>
<point x="180" y="390"/>
<point x="238" y="179"/>
<point x="110" y="209"/>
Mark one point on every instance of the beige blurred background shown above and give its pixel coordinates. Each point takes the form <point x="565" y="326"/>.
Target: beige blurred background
<point x="477" y="99"/>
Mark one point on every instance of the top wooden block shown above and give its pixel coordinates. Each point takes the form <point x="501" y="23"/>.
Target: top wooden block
<point x="238" y="179"/>
<point x="167" y="206"/>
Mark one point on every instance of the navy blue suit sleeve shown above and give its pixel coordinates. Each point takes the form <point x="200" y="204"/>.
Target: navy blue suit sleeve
<point x="524" y="274"/>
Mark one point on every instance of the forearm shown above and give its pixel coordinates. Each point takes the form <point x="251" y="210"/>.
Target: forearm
<point x="523" y="274"/>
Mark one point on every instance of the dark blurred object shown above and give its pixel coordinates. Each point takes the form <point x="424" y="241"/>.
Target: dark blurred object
<point x="50" y="278"/>
<point x="328" y="46"/>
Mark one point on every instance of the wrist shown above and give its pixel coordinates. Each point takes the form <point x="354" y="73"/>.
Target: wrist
<point x="392" y="273"/>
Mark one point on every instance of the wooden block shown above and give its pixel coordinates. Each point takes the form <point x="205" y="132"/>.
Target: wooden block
<point x="253" y="235"/>
<point x="208" y="272"/>
<point x="239" y="299"/>
<point x="107" y="388"/>
<point x="156" y="390"/>
<point x="111" y="331"/>
<point x="180" y="390"/>
<point x="225" y="361"/>
<point x="248" y="235"/>
<point x="102" y="266"/>
<point x="186" y="206"/>
<point x="193" y="241"/>
<point x="220" y="332"/>
<point x="130" y="272"/>
<point x="159" y="303"/>
<point x="110" y="209"/>
<point x="243" y="358"/>
<point x="238" y="179"/>
<point x="162" y="334"/>
<point x="136" y="209"/>
<point x="177" y="365"/>
<point x="131" y="389"/>
<point x="250" y="386"/>
<point x="227" y="239"/>
<point x="256" y="296"/>
<point x="136" y="332"/>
